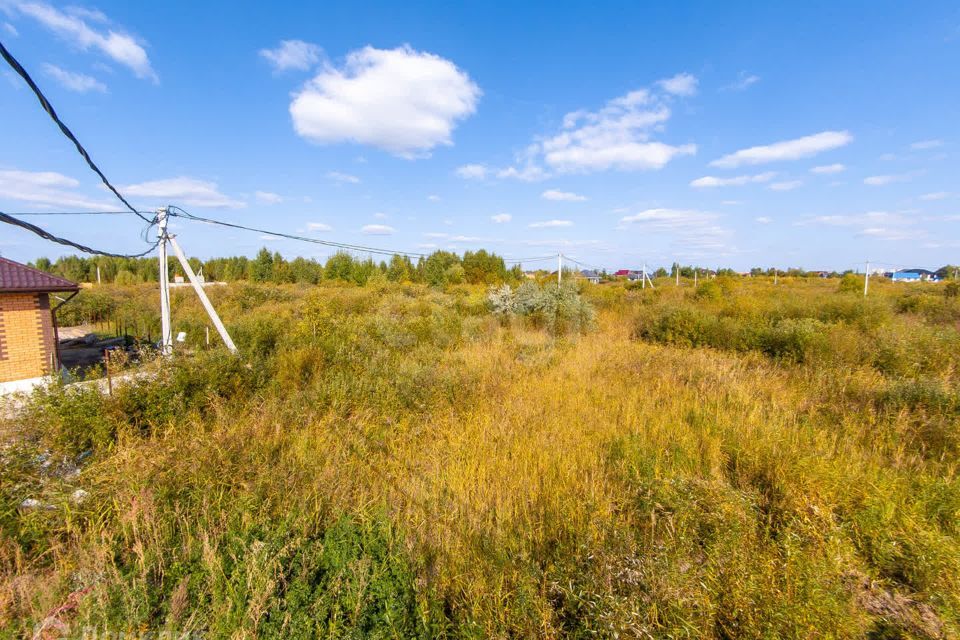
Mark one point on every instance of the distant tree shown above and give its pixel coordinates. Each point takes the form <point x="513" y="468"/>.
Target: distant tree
<point x="339" y="267"/>
<point x="946" y="272"/>
<point x="436" y="265"/>
<point x="400" y="269"/>
<point x="481" y="267"/>
<point x="261" y="269"/>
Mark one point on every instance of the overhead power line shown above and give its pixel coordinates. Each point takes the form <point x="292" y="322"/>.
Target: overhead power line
<point x="8" y="219"/>
<point x="181" y="213"/>
<point x="65" y="129"/>
<point x="67" y="213"/>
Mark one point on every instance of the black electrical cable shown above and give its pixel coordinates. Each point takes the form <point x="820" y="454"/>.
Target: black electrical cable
<point x="70" y="243"/>
<point x="64" y="129"/>
<point x="68" y="213"/>
<point x="180" y="213"/>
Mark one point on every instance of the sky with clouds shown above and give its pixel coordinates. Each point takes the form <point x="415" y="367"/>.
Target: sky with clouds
<point x="816" y="135"/>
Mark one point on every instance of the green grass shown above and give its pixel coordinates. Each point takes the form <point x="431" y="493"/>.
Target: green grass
<point x="398" y="461"/>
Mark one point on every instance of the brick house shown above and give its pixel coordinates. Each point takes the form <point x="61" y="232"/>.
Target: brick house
<point x="28" y="330"/>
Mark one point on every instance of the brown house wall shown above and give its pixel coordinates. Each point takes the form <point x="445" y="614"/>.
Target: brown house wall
<point x="27" y="340"/>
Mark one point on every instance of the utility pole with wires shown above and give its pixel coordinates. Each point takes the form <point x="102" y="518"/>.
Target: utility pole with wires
<point x="166" y="331"/>
<point x="866" y="278"/>
<point x="166" y="338"/>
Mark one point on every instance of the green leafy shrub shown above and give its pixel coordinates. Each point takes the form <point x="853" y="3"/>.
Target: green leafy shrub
<point x="560" y="310"/>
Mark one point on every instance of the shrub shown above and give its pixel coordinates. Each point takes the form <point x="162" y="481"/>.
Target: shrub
<point x="709" y="290"/>
<point x="559" y="310"/>
<point x="850" y="283"/>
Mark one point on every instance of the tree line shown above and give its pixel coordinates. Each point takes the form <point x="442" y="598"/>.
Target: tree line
<point x="438" y="269"/>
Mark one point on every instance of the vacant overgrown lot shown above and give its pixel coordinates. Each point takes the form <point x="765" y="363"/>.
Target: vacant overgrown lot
<point x="736" y="460"/>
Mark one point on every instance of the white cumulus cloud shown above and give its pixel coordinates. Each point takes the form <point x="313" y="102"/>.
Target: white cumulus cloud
<point x="292" y="54"/>
<point x="785" y="150"/>
<point x="377" y="230"/>
<point x="707" y="182"/>
<point x="79" y="82"/>
<point x="74" y="28"/>
<point x="183" y="190"/>
<point x="501" y="218"/>
<point x="403" y="101"/>
<point x="47" y="189"/>
<point x="562" y="196"/>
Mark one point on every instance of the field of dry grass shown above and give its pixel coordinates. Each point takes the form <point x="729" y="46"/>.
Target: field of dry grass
<point x="742" y="460"/>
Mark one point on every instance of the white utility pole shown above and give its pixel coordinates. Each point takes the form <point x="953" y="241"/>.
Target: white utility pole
<point x="643" y="279"/>
<point x="678" y="274"/>
<point x="559" y="268"/>
<point x="695" y="270"/>
<point x="222" y="330"/>
<point x="866" y="278"/>
<point x="166" y="332"/>
<point x="775" y="271"/>
<point x="98" y="274"/>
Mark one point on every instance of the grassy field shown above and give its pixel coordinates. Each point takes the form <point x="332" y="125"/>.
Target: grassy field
<point x="740" y="460"/>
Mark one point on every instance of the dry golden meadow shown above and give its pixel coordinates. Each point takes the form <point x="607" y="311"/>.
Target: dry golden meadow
<point x="742" y="460"/>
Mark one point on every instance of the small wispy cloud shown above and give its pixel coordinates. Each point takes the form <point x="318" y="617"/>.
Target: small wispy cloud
<point x="292" y="54"/>
<point x="682" y="84"/>
<point x="922" y="145"/>
<point x="829" y="168"/>
<point x="763" y="220"/>
<point x="318" y="226"/>
<point x="788" y="185"/>
<point x="785" y="150"/>
<point x="744" y="81"/>
<point x="708" y="182"/>
<point x="501" y="218"/>
<point x="74" y="27"/>
<point x="377" y="230"/>
<point x="562" y="196"/>
<point x="472" y="171"/>
<point x="937" y="195"/>
<point x="10" y="29"/>
<point x="343" y="177"/>
<point x="550" y="224"/>
<point x="78" y="82"/>
<point x="433" y="198"/>
<point x="879" y="181"/>
<point x="267" y="197"/>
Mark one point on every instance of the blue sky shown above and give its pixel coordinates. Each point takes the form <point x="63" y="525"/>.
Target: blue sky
<point x="816" y="135"/>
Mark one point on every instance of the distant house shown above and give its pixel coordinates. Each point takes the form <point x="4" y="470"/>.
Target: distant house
<point x="913" y="275"/>
<point x="629" y="274"/>
<point x="28" y="328"/>
<point x="591" y="275"/>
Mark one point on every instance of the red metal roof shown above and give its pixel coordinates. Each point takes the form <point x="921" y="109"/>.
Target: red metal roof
<point x="21" y="278"/>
